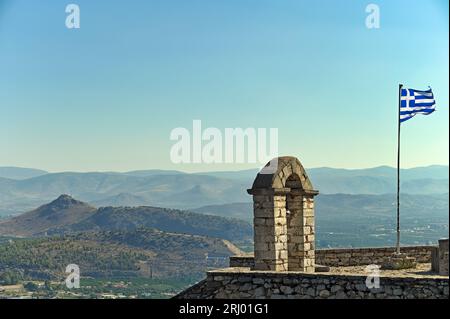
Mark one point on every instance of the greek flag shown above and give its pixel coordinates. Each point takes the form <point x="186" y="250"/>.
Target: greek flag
<point x="414" y="102"/>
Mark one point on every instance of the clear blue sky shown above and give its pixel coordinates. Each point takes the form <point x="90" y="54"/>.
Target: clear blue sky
<point x="106" y="96"/>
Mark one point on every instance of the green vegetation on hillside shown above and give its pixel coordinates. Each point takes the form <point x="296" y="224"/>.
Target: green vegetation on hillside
<point x="111" y="254"/>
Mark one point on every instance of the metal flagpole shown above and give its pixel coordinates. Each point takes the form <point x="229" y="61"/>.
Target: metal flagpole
<point x="398" y="169"/>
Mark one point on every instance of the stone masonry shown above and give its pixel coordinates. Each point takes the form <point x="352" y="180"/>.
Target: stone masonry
<point x="443" y="257"/>
<point x="285" y="261"/>
<point x="235" y="283"/>
<point x="344" y="257"/>
<point x="283" y="206"/>
<point x="440" y="258"/>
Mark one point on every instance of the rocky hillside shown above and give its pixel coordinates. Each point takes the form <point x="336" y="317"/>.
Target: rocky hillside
<point x="169" y="220"/>
<point x="66" y="215"/>
<point x="61" y="212"/>
<point x="117" y="242"/>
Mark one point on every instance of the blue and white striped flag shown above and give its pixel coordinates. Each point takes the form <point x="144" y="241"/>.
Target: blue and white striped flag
<point x="414" y="102"/>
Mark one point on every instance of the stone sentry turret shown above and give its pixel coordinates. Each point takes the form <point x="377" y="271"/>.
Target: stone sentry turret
<point x="283" y="207"/>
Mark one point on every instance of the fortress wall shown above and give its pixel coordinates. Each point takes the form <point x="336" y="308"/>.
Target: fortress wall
<point x="238" y="284"/>
<point x="366" y="256"/>
<point x="247" y="261"/>
<point x="351" y="256"/>
<point x="439" y="261"/>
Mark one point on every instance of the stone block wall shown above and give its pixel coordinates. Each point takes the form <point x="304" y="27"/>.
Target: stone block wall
<point x="283" y="232"/>
<point x="300" y="233"/>
<point x="366" y="256"/>
<point x="270" y="232"/>
<point x="245" y="261"/>
<point x="440" y="258"/>
<point x="443" y="257"/>
<point x="351" y="256"/>
<point x="262" y="285"/>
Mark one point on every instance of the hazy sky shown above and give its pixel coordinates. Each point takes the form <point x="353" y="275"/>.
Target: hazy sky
<point x="106" y="96"/>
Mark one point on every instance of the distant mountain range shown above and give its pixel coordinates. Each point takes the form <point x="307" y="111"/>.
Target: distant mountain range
<point x="331" y="206"/>
<point x="177" y="190"/>
<point x="23" y="189"/>
<point x="344" y="220"/>
<point x="20" y="173"/>
<point x="425" y="172"/>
